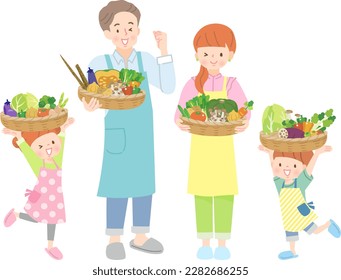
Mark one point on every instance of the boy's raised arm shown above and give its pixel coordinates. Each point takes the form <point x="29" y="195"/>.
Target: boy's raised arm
<point x="313" y="160"/>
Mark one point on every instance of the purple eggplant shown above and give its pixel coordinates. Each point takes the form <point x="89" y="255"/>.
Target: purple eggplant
<point x="291" y="132"/>
<point x="91" y="76"/>
<point x="8" y="110"/>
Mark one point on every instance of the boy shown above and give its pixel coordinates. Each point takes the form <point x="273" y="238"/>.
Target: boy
<point x="292" y="175"/>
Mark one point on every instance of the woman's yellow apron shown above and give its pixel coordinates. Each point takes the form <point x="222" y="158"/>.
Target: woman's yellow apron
<point x="212" y="168"/>
<point x="290" y="199"/>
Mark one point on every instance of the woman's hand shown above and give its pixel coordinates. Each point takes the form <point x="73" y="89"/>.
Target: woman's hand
<point x="161" y="40"/>
<point x="69" y="122"/>
<point x="13" y="133"/>
<point x="182" y="126"/>
<point x="242" y="128"/>
<point x="92" y="105"/>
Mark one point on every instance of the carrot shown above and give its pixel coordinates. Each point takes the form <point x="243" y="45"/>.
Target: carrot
<point x="242" y="112"/>
<point x="307" y="126"/>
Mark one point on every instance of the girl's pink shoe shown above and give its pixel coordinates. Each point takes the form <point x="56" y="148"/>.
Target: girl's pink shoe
<point x="54" y="253"/>
<point x="10" y="218"/>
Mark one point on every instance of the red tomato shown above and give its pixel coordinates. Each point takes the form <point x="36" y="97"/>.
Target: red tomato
<point x="43" y="112"/>
<point x="128" y="90"/>
<point x="299" y="126"/>
<point x="198" y="116"/>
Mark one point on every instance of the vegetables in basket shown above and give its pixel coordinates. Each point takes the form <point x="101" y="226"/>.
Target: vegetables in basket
<point x="26" y="105"/>
<point x="273" y="117"/>
<point x="8" y="110"/>
<point x="106" y="77"/>
<point x="291" y="132"/>
<point x="295" y="128"/>
<point x="91" y="76"/>
<point x="214" y="110"/>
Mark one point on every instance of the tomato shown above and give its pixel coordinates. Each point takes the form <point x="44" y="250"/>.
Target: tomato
<point x="198" y="116"/>
<point x="299" y="126"/>
<point x="128" y="90"/>
<point x="43" y="112"/>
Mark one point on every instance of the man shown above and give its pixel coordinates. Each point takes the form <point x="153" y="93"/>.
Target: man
<point x="128" y="161"/>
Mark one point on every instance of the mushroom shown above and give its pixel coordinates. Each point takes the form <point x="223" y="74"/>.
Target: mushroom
<point x="288" y="114"/>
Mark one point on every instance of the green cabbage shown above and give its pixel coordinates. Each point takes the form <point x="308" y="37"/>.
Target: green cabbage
<point x="32" y="101"/>
<point x="19" y="103"/>
<point x="273" y="116"/>
<point x="23" y="101"/>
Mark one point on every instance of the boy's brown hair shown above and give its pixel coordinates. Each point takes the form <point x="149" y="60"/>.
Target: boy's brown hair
<point x="107" y="14"/>
<point x="303" y="157"/>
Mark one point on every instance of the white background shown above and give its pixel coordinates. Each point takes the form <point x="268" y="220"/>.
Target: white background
<point x="288" y="52"/>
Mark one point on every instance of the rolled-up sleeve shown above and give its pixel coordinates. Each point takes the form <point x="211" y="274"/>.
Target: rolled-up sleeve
<point x="160" y="71"/>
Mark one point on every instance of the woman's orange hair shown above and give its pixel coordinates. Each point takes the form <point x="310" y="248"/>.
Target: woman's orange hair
<point x="303" y="157"/>
<point x="30" y="137"/>
<point x="212" y="35"/>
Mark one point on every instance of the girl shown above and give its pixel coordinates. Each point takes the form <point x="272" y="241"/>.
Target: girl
<point x="44" y="152"/>
<point x="213" y="185"/>
<point x="292" y="176"/>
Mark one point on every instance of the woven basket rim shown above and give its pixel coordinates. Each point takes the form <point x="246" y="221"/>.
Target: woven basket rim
<point x="31" y="121"/>
<point x="112" y="97"/>
<point x="214" y="124"/>
<point x="273" y="142"/>
<point x="271" y="137"/>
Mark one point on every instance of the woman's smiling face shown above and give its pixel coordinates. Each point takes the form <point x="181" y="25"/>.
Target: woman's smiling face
<point x="123" y="30"/>
<point x="213" y="58"/>
<point x="47" y="146"/>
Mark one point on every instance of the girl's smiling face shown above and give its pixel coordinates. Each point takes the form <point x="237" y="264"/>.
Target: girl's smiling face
<point x="123" y="30"/>
<point x="213" y="58"/>
<point x="287" y="168"/>
<point x="47" y="146"/>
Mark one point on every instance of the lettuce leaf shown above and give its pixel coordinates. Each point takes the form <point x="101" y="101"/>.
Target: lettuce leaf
<point x="32" y="101"/>
<point x="19" y="103"/>
<point x="273" y="116"/>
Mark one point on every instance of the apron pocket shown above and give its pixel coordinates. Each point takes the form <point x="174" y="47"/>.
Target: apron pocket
<point x="115" y="140"/>
<point x="304" y="209"/>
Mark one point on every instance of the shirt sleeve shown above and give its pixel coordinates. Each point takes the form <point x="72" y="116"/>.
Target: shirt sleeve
<point x="59" y="158"/>
<point x="236" y="93"/>
<point x="304" y="180"/>
<point x="33" y="160"/>
<point x="188" y="92"/>
<point x="98" y="63"/>
<point x="160" y="71"/>
<point x="279" y="183"/>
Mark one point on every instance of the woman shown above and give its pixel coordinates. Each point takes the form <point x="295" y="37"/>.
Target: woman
<point x="213" y="185"/>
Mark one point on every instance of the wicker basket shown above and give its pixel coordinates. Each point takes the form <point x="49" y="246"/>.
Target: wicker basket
<point x="113" y="102"/>
<point x="212" y="128"/>
<point x="35" y="124"/>
<point x="273" y="142"/>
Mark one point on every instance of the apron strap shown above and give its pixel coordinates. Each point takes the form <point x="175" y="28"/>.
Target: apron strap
<point x="225" y="85"/>
<point x="53" y="162"/>
<point x="108" y="60"/>
<point x="139" y="61"/>
<point x="295" y="184"/>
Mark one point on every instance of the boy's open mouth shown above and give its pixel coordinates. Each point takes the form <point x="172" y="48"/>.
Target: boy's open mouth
<point x="124" y="41"/>
<point x="287" y="172"/>
<point x="49" y="151"/>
